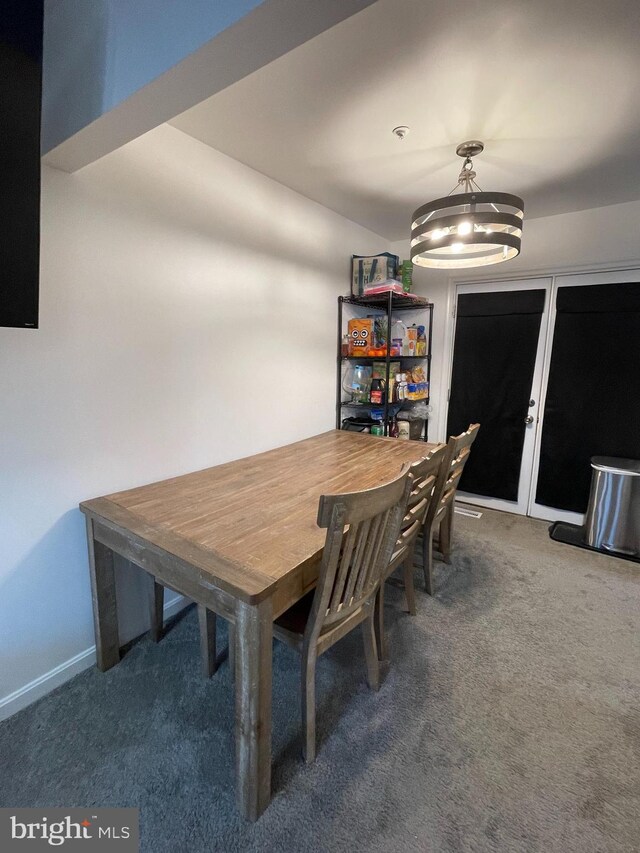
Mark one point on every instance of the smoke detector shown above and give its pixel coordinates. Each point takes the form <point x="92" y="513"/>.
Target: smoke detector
<point x="401" y="131"/>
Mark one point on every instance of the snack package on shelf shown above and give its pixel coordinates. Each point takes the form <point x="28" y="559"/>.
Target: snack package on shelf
<point x="418" y="374"/>
<point x="418" y="387"/>
<point x="361" y="335"/>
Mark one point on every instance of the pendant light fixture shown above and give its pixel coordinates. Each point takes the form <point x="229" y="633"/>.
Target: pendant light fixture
<point x="469" y="227"/>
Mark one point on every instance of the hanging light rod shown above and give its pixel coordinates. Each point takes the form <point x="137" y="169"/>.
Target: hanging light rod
<point x="468" y="227"/>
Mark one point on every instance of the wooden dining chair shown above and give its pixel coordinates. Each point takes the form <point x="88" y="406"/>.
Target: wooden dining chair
<point x="362" y="528"/>
<point x="440" y="512"/>
<point x="423" y="475"/>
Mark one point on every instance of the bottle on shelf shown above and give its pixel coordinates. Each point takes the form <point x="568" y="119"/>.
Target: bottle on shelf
<point x="398" y="335"/>
<point x="402" y="386"/>
<point x="395" y="394"/>
<point x="377" y="392"/>
<point x="410" y="341"/>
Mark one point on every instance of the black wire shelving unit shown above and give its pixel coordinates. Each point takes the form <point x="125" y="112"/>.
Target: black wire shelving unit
<point x="390" y="303"/>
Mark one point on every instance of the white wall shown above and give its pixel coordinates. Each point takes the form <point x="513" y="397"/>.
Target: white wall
<point x="587" y="239"/>
<point x="188" y="317"/>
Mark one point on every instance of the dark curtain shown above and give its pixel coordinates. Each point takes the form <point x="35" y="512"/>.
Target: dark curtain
<point x="20" y="86"/>
<point x="493" y="364"/>
<point x="593" y="395"/>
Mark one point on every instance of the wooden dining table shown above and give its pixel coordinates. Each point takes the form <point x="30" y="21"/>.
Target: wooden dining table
<point x="242" y="540"/>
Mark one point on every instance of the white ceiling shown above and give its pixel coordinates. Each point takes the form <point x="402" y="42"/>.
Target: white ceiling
<point x="550" y="86"/>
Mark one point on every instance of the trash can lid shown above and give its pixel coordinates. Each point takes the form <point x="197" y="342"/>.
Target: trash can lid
<point x="631" y="467"/>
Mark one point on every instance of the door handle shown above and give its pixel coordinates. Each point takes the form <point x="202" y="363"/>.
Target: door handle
<point x="528" y="419"/>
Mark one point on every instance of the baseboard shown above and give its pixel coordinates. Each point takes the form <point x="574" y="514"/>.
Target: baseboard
<point x="39" y="687"/>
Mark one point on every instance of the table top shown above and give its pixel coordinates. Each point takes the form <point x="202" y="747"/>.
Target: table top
<point x="251" y="522"/>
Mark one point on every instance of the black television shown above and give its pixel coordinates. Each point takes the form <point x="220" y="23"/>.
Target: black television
<point x="21" y="26"/>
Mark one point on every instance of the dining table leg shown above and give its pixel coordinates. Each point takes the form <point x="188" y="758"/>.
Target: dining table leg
<point x="208" y="652"/>
<point x="103" y="595"/>
<point x="155" y="600"/>
<point x="253" y="665"/>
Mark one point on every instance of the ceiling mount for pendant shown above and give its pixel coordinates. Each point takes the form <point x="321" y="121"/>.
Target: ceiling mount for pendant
<point x="469" y="229"/>
<point x="470" y="149"/>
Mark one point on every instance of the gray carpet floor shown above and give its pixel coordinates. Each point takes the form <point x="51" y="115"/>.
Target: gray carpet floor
<point x="509" y="721"/>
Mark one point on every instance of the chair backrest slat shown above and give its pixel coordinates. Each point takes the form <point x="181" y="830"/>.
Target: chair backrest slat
<point x="362" y="528"/>
<point x="353" y="569"/>
<point x="374" y="545"/>
<point x="348" y="548"/>
<point x="407" y="536"/>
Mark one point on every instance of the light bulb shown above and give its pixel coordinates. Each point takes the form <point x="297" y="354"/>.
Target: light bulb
<point x="464" y="228"/>
<point x="457" y="247"/>
<point x="437" y="234"/>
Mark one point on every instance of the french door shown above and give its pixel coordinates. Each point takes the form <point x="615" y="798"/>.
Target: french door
<point x="497" y="373"/>
<point x="591" y="388"/>
<point x="582" y="367"/>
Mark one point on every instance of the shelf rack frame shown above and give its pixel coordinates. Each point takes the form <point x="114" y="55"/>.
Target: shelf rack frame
<point x="390" y="303"/>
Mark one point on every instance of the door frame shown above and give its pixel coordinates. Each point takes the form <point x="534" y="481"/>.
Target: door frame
<point x="539" y="283"/>
<point x="563" y="276"/>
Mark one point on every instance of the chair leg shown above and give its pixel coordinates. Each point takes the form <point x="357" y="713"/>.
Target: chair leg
<point x="156" y="606"/>
<point x="207" y="621"/>
<point x="378" y="620"/>
<point x="446" y="526"/>
<point x="371" y="651"/>
<point x="409" y="588"/>
<point x="309" y="704"/>
<point x="427" y="559"/>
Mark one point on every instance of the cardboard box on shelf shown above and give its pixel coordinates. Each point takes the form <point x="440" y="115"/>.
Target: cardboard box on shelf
<point x="361" y="337"/>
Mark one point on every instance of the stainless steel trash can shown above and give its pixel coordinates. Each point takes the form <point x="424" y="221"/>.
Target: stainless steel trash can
<point x="613" y="515"/>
